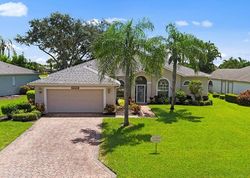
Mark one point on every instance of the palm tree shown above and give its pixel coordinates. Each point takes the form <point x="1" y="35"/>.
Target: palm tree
<point x="183" y="48"/>
<point x="126" y="47"/>
<point x="6" y="45"/>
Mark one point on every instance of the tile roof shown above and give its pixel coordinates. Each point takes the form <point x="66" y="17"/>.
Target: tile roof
<point x="9" y="69"/>
<point x="241" y="75"/>
<point x="76" y="75"/>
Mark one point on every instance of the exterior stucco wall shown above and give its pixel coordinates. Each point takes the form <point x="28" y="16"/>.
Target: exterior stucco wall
<point x="223" y="86"/>
<point x="202" y="79"/>
<point x="6" y="83"/>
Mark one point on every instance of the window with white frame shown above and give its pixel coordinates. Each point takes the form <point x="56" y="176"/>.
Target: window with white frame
<point x="163" y="88"/>
<point x="13" y="81"/>
<point x="186" y="83"/>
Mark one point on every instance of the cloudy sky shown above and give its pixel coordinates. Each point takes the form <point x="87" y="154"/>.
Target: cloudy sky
<point x="226" y="23"/>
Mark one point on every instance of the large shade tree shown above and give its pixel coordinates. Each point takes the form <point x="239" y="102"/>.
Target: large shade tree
<point x="66" y="40"/>
<point x="183" y="48"/>
<point x="126" y="47"/>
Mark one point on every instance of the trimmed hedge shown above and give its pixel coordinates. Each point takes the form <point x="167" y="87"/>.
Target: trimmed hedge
<point x="222" y="97"/>
<point x="216" y="95"/>
<point x="232" y="98"/>
<point x="24" y="117"/>
<point x="9" y="109"/>
<point x="24" y="106"/>
<point x="23" y="89"/>
<point x="31" y="96"/>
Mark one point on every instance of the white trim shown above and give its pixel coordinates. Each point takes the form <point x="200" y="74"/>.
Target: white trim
<point x="161" y="90"/>
<point x="183" y="83"/>
<point x="69" y="88"/>
<point x="138" y="85"/>
<point x="13" y="81"/>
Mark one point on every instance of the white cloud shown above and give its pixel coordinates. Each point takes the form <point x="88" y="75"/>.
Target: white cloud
<point x="111" y="20"/>
<point x="223" y="55"/>
<point x="181" y="23"/>
<point x="196" y="23"/>
<point x="13" y="9"/>
<point x="206" y="24"/>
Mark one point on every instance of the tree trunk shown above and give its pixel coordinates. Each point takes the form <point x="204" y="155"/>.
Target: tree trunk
<point x="173" y="85"/>
<point x="126" y="96"/>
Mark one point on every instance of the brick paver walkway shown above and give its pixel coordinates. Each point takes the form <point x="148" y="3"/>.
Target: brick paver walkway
<point x="56" y="148"/>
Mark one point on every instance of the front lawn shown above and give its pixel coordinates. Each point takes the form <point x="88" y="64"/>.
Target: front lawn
<point x="10" y="130"/>
<point x="205" y="141"/>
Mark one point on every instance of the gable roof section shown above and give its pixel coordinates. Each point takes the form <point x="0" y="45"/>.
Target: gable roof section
<point x="9" y="69"/>
<point x="78" y="75"/>
<point x="181" y="70"/>
<point x="240" y="75"/>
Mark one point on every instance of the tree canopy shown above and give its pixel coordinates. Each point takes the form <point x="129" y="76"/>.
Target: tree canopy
<point x="66" y="40"/>
<point x="126" y="47"/>
<point x="234" y="63"/>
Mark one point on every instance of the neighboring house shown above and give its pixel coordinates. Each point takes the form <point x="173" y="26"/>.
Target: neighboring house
<point x="230" y="80"/>
<point x="78" y="89"/>
<point x="13" y="77"/>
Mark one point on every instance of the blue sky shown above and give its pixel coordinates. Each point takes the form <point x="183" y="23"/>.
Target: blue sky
<point x="224" y="22"/>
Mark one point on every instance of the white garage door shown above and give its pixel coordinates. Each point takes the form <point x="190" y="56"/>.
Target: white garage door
<point x="88" y="101"/>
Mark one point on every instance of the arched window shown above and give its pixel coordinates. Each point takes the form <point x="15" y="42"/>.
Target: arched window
<point x="210" y="83"/>
<point x="186" y="83"/>
<point x="210" y="86"/>
<point x="120" y="90"/>
<point x="163" y="88"/>
<point x="141" y="80"/>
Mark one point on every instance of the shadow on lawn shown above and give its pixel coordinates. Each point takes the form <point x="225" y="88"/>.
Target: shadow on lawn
<point x="122" y="136"/>
<point x="169" y="117"/>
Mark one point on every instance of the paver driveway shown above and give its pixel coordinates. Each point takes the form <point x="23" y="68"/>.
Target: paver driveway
<point x="55" y="147"/>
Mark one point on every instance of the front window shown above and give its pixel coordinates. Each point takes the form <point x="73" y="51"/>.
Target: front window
<point x="186" y="83"/>
<point x="120" y="90"/>
<point x="163" y="88"/>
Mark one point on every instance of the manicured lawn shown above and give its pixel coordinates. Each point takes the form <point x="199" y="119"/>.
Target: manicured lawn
<point x="10" y="130"/>
<point x="6" y="101"/>
<point x="208" y="141"/>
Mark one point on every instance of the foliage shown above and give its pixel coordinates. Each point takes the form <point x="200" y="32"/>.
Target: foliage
<point x="222" y="97"/>
<point x="232" y="98"/>
<point x="195" y="87"/>
<point x="216" y="95"/>
<point x="6" y="47"/>
<point x="31" y="96"/>
<point x="40" y="107"/>
<point x="121" y="102"/>
<point x="109" y="109"/>
<point x="133" y="51"/>
<point x="183" y="48"/>
<point x="14" y="100"/>
<point x="65" y="39"/>
<point x="181" y="95"/>
<point x="10" y="130"/>
<point x="192" y="145"/>
<point x="24" y="117"/>
<point x="23" y="89"/>
<point x="135" y="108"/>
<point x="244" y="98"/>
<point x="24" y="106"/>
<point x="9" y="109"/>
<point x="234" y="63"/>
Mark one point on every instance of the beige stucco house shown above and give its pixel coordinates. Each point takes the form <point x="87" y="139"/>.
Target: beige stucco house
<point x="230" y="80"/>
<point x="79" y="89"/>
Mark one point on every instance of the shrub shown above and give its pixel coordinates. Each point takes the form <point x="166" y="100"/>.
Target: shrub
<point x="38" y="113"/>
<point x="109" y="109"/>
<point x="31" y="116"/>
<point x="202" y="103"/>
<point x="31" y="96"/>
<point x="135" y="108"/>
<point x="186" y="102"/>
<point x="121" y="102"/>
<point x="216" y="95"/>
<point x="160" y="100"/>
<point x="23" y="89"/>
<point x="205" y="98"/>
<point x="244" y="98"/>
<point x="222" y="97"/>
<point x="9" y="109"/>
<point x="24" y="106"/>
<point x="232" y="98"/>
<point x="195" y="87"/>
<point x="40" y="107"/>
<point x="208" y="102"/>
<point x="181" y="96"/>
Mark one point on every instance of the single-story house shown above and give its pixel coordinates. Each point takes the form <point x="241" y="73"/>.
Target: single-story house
<point x="230" y="80"/>
<point x="13" y="77"/>
<point x="79" y="89"/>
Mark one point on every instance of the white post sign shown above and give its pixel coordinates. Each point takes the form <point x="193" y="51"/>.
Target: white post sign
<point x="155" y="139"/>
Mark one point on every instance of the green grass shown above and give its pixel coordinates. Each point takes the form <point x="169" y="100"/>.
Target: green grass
<point x="10" y="130"/>
<point x="209" y="141"/>
<point x="6" y="101"/>
<point x="43" y="76"/>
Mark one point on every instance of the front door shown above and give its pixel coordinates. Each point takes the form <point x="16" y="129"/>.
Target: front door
<point x="140" y="93"/>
